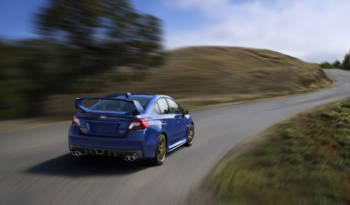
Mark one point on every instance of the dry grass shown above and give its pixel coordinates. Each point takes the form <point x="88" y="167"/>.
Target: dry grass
<point x="305" y="160"/>
<point x="200" y="76"/>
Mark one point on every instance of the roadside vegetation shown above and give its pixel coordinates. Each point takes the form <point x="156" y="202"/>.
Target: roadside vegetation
<point x="305" y="160"/>
<point x="345" y="64"/>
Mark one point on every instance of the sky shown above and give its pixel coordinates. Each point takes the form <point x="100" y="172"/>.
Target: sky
<point x="313" y="30"/>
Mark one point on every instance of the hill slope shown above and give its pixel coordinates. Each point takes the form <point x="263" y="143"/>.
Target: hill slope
<point x="199" y="76"/>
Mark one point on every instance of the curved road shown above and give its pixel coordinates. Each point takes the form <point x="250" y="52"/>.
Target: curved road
<point x="36" y="168"/>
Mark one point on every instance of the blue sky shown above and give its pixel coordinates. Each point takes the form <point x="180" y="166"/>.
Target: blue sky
<point x="313" y="30"/>
<point x="16" y="16"/>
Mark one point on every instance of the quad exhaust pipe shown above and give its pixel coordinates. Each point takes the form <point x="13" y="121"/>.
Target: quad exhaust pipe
<point x="127" y="157"/>
<point x="77" y="153"/>
<point x="130" y="158"/>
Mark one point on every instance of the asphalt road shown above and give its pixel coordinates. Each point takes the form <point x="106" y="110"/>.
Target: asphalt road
<point x="37" y="169"/>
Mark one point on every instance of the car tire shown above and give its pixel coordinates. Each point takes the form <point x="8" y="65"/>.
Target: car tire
<point x="160" y="152"/>
<point x="190" y="135"/>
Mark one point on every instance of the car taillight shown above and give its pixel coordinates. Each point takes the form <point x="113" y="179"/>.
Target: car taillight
<point x="138" y="124"/>
<point x="75" y="120"/>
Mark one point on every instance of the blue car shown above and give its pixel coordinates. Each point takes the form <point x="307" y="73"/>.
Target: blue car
<point x="131" y="126"/>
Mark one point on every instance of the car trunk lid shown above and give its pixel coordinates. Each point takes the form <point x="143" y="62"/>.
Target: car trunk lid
<point x="104" y="124"/>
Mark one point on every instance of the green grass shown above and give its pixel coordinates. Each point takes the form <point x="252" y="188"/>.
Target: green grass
<point x="305" y="160"/>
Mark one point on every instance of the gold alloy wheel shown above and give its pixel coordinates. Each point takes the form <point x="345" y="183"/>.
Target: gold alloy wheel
<point x="161" y="149"/>
<point x="190" y="135"/>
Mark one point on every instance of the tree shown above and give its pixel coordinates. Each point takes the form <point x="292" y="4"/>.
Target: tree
<point x="337" y="64"/>
<point x="77" y="38"/>
<point x="325" y="65"/>
<point x="346" y="61"/>
<point x="105" y="32"/>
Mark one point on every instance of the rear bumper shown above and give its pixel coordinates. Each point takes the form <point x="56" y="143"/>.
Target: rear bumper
<point x="134" y="143"/>
<point x="105" y="152"/>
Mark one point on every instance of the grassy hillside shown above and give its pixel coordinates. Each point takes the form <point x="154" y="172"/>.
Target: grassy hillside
<point x="199" y="76"/>
<point x="305" y="160"/>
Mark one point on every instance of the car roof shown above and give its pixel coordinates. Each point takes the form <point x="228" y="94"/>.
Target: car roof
<point x="143" y="95"/>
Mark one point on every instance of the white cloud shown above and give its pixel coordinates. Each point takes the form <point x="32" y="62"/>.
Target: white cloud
<point x="313" y="30"/>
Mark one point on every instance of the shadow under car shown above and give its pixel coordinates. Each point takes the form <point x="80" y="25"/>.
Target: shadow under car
<point x="67" y="165"/>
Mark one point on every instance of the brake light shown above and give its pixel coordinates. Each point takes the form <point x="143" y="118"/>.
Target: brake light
<point x="75" y="120"/>
<point x="138" y="124"/>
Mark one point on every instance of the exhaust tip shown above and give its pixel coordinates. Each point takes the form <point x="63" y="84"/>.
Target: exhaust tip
<point x="130" y="158"/>
<point x="76" y="153"/>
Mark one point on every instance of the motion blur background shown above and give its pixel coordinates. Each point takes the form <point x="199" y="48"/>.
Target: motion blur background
<point x="74" y="39"/>
<point x="52" y="51"/>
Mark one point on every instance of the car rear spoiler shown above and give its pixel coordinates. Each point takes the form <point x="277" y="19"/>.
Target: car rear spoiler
<point x="79" y="103"/>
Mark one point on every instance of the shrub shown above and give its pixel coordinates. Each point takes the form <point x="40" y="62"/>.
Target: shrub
<point x="329" y="115"/>
<point x="346" y="61"/>
<point x="326" y="65"/>
<point x="337" y="64"/>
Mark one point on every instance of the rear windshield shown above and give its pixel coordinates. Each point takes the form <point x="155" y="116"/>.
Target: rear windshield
<point x="113" y="105"/>
<point x="142" y="100"/>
